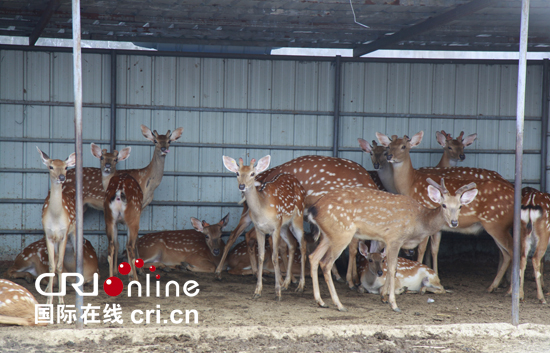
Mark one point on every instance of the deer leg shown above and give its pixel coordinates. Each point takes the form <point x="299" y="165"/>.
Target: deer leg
<point x="351" y="276"/>
<point x="435" y="241"/>
<point x="504" y="242"/>
<point x="275" y="258"/>
<point x="250" y="239"/>
<point x="243" y="223"/>
<point x="59" y="266"/>
<point x="298" y="231"/>
<point x="133" y="230"/>
<point x="422" y="250"/>
<point x="336" y="275"/>
<point x="51" y="262"/>
<point x="326" y="265"/>
<point x="538" y="257"/>
<point x="23" y="274"/>
<point x="112" y="235"/>
<point x="290" y="249"/>
<point x="314" y="259"/>
<point x="260" y="237"/>
<point x="391" y="256"/>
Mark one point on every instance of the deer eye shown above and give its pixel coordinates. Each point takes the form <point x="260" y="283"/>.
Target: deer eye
<point x="156" y="141"/>
<point x="101" y="158"/>
<point x="449" y="147"/>
<point x="116" y="160"/>
<point x="460" y="207"/>
<point x="403" y="147"/>
<point x="51" y="167"/>
<point x="443" y="205"/>
<point x="66" y="168"/>
<point x="252" y="174"/>
<point x="237" y="173"/>
<point x="370" y="260"/>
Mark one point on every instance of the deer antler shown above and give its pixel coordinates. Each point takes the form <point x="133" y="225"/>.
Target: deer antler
<point x="241" y="162"/>
<point x="448" y="137"/>
<point x="374" y="144"/>
<point x="252" y="161"/>
<point x="441" y="187"/>
<point x="460" y="136"/>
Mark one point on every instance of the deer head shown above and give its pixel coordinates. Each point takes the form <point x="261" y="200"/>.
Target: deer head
<point x="451" y="205"/>
<point x="109" y="160"/>
<point x="162" y="142"/>
<point x="376" y="260"/>
<point x="246" y="174"/>
<point x="58" y="168"/>
<point x="377" y="153"/>
<point x="454" y="148"/>
<point x="398" y="148"/>
<point x="212" y="233"/>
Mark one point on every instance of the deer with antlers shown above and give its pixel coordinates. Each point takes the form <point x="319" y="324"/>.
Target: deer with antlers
<point x="395" y="220"/>
<point x="33" y="261"/>
<point x="275" y="207"/>
<point x="149" y="178"/>
<point x="453" y="149"/>
<point x="199" y="248"/>
<point x="492" y="210"/>
<point x="317" y="175"/>
<point x="58" y="215"/>
<point x="17" y="305"/>
<point x="411" y="276"/>
<point x="535" y="231"/>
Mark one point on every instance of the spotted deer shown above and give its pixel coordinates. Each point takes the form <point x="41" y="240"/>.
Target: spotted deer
<point x="275" y="207"/>
<point x="109" y="161"/>
<point x="317" y="175"/>
<point x="411" y="276"/>
<point x="33" y="261"/>
<point x="123" y="204"/>
<point x="453" y="149"/>
<point x="380" y="163"/>
<point x="535" y="231"/>
<point x="149" y="178"/>
<point x="492" y="210"/>
<point x="200" y="248"/>
<point x="396" y="220"/>
<point x="58" y="216"/>
<point x="17" y="305"/>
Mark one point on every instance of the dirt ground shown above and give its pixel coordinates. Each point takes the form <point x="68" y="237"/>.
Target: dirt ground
<point x="467" y="320"/>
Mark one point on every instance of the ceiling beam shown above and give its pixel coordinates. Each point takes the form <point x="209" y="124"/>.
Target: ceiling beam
<point x="53" y="5"/>
<point x="430" y="23"/>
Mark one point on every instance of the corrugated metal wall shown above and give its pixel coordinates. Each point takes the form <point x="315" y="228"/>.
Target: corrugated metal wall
<point x="238" y="107"/>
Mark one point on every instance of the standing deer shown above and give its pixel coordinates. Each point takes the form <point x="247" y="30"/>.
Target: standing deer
<point x="149" y="178"/>
<point x="58" y="216"/>
<point x="17" y="305"/>
<point x="492" y="210"/>
<point x="275" y="207"/>
<point x="396" y="220"/>
<point x="535" y="231"/>
<point x="411" y="276"/>
<point x="123" y="204"/>
<point x="33" y="261"/>
<point x="453" y="149"/>
<point x="317" y="175"/>
<point x="200" y="249"/>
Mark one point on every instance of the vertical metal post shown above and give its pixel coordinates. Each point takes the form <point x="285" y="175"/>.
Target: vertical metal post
<point x="113" y="100"/>
<point x="522" y="70"/>
<point x="544" y="123"/>
<point x="77" y="80"/>
<point x="337" y="85"/>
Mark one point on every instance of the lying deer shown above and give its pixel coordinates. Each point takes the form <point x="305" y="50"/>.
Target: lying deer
<point x="275" y="207"/>
<point x="33" y="261"/>
<point x="396" y="220"/>
<point x="58" y="216"/>
<point x="199" y="249"/>
<point x="411" y="276"/>
<point x="535" y="231"/>
<point x="17" y="305"/>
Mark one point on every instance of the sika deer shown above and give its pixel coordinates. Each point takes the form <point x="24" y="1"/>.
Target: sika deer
<point x="109" y="161"/>
<point x="58" y="216"/>
<point x="411" y="276"/>
<point x="123" y="204"/>
<point x="453" y="149"/>
<point x="535" y="231"/>
<point x="17" y="305"/>
<point x="396" y="220"/>
<point x="380" y="163"/>
<point x="317" y="175"/>
<point x="275" y="207"/>
<point x="200" y="249"/>
<point x="492" y="210"/>
<point x="33" y="261"/>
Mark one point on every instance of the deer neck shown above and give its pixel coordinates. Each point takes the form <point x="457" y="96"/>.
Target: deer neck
<point x="403" y="176"/>
<point x="106" y="178"/>
<point x="446" y="161"/>
<point x="150" y="177"/>
<point x="255" y="201"/>
<point x="385" y="173"/>
<point x="55" y="204"/>
<point x="432" y="220"/>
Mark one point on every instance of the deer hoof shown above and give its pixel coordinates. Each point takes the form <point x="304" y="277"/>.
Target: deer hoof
<point x="299" y="290"/>
<point x="343" y="309"/>
<point x="322" y="305"/>
<point x="543" y="301"/>
<point x="353" y="288"/>
<point x="256" y="296"/>
<point x="396" y="309"/>
<point x="340" y="280"/>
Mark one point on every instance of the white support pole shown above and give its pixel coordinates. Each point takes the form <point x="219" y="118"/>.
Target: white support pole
<point x="520" y="112"/>
<point x="77" y="80"/>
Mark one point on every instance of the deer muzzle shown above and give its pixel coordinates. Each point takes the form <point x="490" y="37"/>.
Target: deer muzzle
<point x="242" y="187"/>
<point x="454" y="223"/>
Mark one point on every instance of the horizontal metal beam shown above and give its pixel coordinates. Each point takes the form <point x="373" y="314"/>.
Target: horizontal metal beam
<point x="425" y="26"/>
<point x="439" y="150"/>
<point x="154" y="203"/>
<point x="43" y="21"/>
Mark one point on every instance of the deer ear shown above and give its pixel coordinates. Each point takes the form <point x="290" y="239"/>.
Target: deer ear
<point x="468" y="196"/>
<point x="45" y="158"/>
<point x="363" y="249"/>
<point x="147" y="133"/>
<point x="469" y="140"/>
<point x="262" y="165"/>
<point x="441" y="139"/>
<point x="416" y="139"/>
<point x="434" y="194"/>
<point x="176" y="134"/>
<point x="197" y="224"/>
<point x="71" y="161"/>
<point x="383" y="139"/>
<point x="224" y="221"/>
<point x="230" y="164"/>
<point x="365" y="146"/>
<point x="124" y="154"/>
<point x="96" y="150"/>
